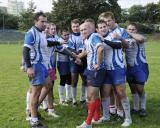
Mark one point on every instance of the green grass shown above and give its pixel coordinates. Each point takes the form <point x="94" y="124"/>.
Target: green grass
<point x="14" y="85"/>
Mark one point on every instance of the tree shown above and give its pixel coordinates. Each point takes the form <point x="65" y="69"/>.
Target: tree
<point x="26" y="17"/>
<point x="152" y="13"/>
<point x="66" y="10"/>
<point x="137" y="13"/>
<point x="8" y="21"/>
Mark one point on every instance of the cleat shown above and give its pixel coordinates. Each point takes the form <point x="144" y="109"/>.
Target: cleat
<point x="68" y="100"/>
<point x="83" y="102"/>
<point x="53" y="114"/>
<point x="113" y="116"/>
<point x="101" y="120"/>
<point x="133" y="111"/>
<point x="127" y="123"/>
<point x="74" y="104"/>
<point x="36" y="125"/>
<point x="28" y="115"/>
<point x="119" y="119"/>
<point x="142" y="113"/>
<point x="84" y="125"/>
<point x="63" y="103"/>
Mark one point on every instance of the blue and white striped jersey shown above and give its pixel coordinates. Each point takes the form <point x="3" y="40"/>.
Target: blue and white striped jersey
<point x="91" y="46"/>
<point x="75" y="42"/>
<point x="114" y="57"/>
<point x="135" y="54"/>
<point x="63" y="57"/>
<point x="36" y="41"/>
<point x="53" y="54"/>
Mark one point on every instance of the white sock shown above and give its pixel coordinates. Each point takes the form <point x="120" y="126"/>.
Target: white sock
<point x="61" y="93"/>
<point x="126" y="108"/>
<point x="34" y="119"/>
<point x="143" y="101"/>
<point x="68" y="91"/>
<point x="27" y="100"/>
<point x="45" y="103"/>
<point x="50" y="110"/>
<point x="120" y="113"/>
<point x="82" y="93"/>
<point x="135" y="101"/>
<point x="112" y="109"/>
<point x="105" y="107"/>
<point x="74" y="94"/>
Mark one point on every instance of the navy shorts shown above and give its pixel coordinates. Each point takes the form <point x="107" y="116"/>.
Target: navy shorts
<point x="41" y="73"/>
<point x="137" y="74"/>
<point x="115" y="77"/>
<point x="95" y="78"/>
<point x="75" y="68"/>
<point x="63" y="68"/>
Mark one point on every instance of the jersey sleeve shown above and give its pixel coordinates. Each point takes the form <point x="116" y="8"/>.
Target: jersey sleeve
<point x="96" y="41"/>
<point x="29" y="40"/>
<point x="70" y="44"/>
<point x="125" y="34"/>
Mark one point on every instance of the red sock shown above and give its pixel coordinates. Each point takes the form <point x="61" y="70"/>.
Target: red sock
<point x="98" y="110"/>
<point x="91" y="110"/>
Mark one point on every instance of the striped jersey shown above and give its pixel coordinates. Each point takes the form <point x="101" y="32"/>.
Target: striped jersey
<point x="63" y="57"/>
<point x="114" y="57"/>
<point x="91" y="45"/>
<point x="75" y="42"/>
<point x="135" y="54"/>
<point x="36" y="41"/>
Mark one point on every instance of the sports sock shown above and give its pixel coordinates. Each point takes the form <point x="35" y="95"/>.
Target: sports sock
<point x="91" y="110"/>
<point x="135" y="101"/>
<point x="126" y="108"/>
<point x="143" y="98"/>
<point x="68" y="91"/>
<point x="97" y="109"/>
<point x="74" y="94"/>
<point x="82" y="93"/>
<point x="28" y="100"/>
<point x="61" y="93"/>
<point x="105" y="107"/>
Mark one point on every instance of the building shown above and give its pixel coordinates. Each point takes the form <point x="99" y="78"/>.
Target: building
<point x="3" y="9"/>
<point x="15" y="7"/>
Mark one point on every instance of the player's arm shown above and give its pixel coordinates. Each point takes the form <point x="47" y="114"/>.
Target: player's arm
<point x="97" y="42"/>
<point x="124" y="43"/>
<point x="28" y="43"/>
<point x="114" y="45"/>
<point x="138" y="37"/>
<point x="99" y="55"/>
<point x="51" y="43"/>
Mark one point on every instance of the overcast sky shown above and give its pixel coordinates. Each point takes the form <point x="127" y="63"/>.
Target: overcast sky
<point x="46" y="5"/>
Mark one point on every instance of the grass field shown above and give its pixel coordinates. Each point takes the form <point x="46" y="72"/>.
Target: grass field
<point x="14" y="85"/>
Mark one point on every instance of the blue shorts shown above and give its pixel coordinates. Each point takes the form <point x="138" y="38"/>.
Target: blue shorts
<point x="115" y="77"/>
<point x="137" y="74"/>
<point x="63" y="68"/>
<point x="41" y="73"/>
<point x="75" y="68"/>
<point x="95" y="78"/>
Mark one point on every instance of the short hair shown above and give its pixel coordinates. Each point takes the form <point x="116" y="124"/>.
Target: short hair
<point x="100" y="22"/>
<point x="52" y="24"/>
<point x="37" y="15"/>
<point x="106" y="14"/>
<point x="64" y="30"/>
<point x="75" y="21"/>
<point x="133" y="24"/>
<point x="90" y="20"/>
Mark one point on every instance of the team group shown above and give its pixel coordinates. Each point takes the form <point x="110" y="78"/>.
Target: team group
<point x="95" y="51"/>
